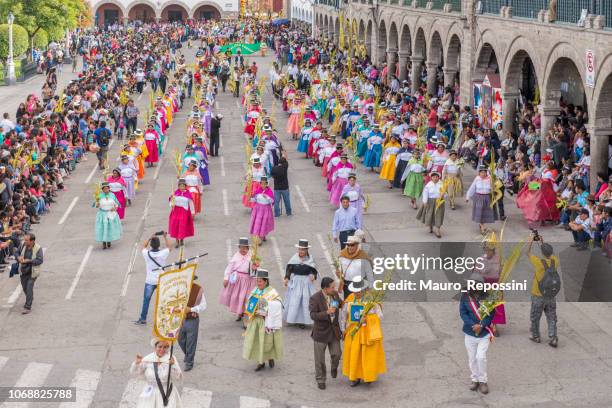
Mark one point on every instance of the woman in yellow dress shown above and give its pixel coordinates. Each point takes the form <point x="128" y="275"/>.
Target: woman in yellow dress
<point x="387" y="171"/>
<point x="363" y="356"/>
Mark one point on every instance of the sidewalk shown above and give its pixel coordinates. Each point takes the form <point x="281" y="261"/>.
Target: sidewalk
<point x="12" y="96"/>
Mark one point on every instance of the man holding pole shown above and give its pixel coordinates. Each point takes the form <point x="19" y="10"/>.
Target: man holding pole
<point x="188" y="336"/>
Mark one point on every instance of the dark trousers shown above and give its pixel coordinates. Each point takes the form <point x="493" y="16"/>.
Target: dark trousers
<point x="581" y="237"/>
<point x="132" y="124"/>
<point x="223" y="82"/>
<point x="237" y="89"/>
<point x="319" y="359"/>
<point x="500" y="203"/>
<point x="27" y="284"/>
<point x="343" y="236"/>
<point x="188" y="339"/>
<point x="139" y="86"/>
<point x="214" y="145"/>
<point x="548" y="306"/>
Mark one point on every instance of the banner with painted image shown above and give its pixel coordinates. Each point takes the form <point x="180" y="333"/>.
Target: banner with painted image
<point x="173" y="288"/>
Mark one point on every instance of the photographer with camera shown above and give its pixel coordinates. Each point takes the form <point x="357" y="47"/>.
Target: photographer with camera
<point x="155" y="258"/>
<point x="544" y="289"/>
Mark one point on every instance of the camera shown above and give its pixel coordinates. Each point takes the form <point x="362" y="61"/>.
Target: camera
<point x="159" y="233"/>
<point x="536" y="235"/>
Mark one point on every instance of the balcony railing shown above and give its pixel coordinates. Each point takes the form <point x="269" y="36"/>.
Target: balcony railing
<point x="331" y="3"/>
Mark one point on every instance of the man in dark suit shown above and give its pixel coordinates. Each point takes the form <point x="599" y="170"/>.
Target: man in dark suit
<point x="215" y="124"/>
<point x="324" y="309"/>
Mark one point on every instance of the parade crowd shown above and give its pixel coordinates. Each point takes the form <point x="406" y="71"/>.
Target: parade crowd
<point x="344" y="114"/>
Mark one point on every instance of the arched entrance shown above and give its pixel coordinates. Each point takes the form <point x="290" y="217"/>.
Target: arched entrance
<point x="368" y="39"/>
<point x="405" y="50"/>
<point x="435" y="62"/>
<point x="452" y="67"/>
<point x="174" y="12"/>
<point x="419" y="56"/>
<point x="142" y="12"/>
<point x="207" y="12"/>
<point x="485" y="87"/>
<point x="392" y="44"/>
<point x="521" y="89"/>
<point x="109" y="13"/>
<point x="381" y="43"/>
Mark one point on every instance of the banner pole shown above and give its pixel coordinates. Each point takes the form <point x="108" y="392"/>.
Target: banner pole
<point x="169" y="371"/>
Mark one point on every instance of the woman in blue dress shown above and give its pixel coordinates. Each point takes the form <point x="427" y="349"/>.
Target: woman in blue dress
<point x="372" y="156"/>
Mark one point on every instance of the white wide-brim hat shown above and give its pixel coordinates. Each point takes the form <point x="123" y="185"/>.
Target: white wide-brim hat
<point x="358" y="284"/>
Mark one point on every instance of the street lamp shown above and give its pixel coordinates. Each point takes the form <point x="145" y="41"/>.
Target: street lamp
<point x="11" y="64"/>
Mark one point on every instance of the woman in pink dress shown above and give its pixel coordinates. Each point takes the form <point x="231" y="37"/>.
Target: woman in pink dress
<point x="293" y="123"/>
<point x="118" y="187"/>
<point x="237" y="280"/>
<point x="152" y="141"/>
<point x="262" y="219"/>
<point x="180" y="222"/>
<point x="339" y="178"/>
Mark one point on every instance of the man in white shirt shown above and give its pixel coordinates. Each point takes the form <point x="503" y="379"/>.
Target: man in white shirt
<point x="581" y="230"/>
<point x="6" y="124"/>
<point x="154" y="258"/>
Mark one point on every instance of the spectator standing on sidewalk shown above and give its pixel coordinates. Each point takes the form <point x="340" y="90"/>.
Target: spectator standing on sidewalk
<point x="281" y="186"/>
<point x="30" y="258"/>
<point x="154" y="257"/>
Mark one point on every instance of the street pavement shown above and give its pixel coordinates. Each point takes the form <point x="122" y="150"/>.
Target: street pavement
<point x="81" y="330"/>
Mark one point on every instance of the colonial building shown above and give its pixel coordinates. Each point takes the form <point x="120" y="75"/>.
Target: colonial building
<point x="561" y="52"/>
<point x="302" y="12"/>
<point x="108" y="12"/>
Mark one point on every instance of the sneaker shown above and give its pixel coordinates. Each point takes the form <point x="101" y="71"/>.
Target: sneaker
<point x="474" y="386"/>
<point x="483" y="388"/>
<point x="553" y="342"/>
<point x="140" y="322"/>
<point x="534" y="339"/>
<point x="188" y="368"/>
<point x="26" y="311"/>
<point x="321" y="386"/>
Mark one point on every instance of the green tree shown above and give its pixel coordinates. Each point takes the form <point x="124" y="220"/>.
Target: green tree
<point x="20" y="40"/>
<point x="41" y="39"/>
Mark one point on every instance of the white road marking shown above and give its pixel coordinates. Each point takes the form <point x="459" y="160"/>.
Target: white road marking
<point x="79" y="273"/>
<point x="86" y="383"/>
<point x="147" y="206"/>
<point x="277" y="256"/>
<point x="132" y="390"/>
<point x="222" y="166"/>
<point x="228" y="243"/>
<point x="128" y="273"/>
<point x="196" y="398"/>
<point x="327" y="255"/>
<point x="34" y="375"/>
<point x="250" y="402"/>
<point x="159" y="166"/>
<point x="302" y="198"/>
<point x="216" y="104"/>
<point x="3" y="361"/>
<point x="93" y="171"/>
<point x="68" y="210"/>
<point x="225" y="203"/>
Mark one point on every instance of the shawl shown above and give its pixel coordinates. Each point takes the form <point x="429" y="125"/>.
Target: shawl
<point x="295" y="260"/>
<point x="360" y="254"/>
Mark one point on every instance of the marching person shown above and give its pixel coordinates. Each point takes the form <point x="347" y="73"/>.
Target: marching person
<point x="180" y="221"/>
<point x="108" y="224"/>
<point x="431" y="214"/>
<point x="354" y="263"/>
<point x="215" y="138"/>
<point x="29" y="260"/>
<point x="363" y="357"/>
<point x="154" y="369"/>
<point x="478" y="335"/>
<point x="263" y="340"/>
<point x="300" y="274"/>
<point x="324" y="311"/>
<point x="154" y="258"/>
<point x="262" y="219"/>
<point x="480" y="193"/>
<point x="346" y="221"/>
<point x="188" y="335"/>
<point x="238" y="279"/>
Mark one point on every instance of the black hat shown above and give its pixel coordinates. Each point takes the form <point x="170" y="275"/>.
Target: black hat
<point x="303" y="243"/>
<point x="104" y="184"/>
<point x="182" y="181"/>
<point x="352" y="175"/>
<point x="243" y="241"/>
<point x="483" y="167"/>
<point x="262" y="274"/>
<point x="344" y="156"/>
<point x="263" y="178"/>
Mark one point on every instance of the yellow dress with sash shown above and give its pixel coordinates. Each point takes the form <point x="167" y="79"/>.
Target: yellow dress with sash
<point x="363" y="355"/>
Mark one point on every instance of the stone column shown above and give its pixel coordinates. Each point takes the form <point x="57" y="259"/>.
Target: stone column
<point x="381" y="56"/>
<point x="432" y="83"/>
<point x="391" y="58"/>
<point x="548" y="117"/>
<point x="449" y="76"/>
<point x="509" y="111"/>
<point x="599" y="151"/>
<point x="402" y="60"/>
<point x="416" y="73"/>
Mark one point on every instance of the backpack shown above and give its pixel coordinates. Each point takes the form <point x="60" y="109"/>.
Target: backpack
<point x="550" y="284"/>
<point x="104" y="138"/>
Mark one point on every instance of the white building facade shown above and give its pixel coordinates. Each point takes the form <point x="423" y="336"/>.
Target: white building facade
<point x="302" y="12"/>
<point x="107" y="12"/>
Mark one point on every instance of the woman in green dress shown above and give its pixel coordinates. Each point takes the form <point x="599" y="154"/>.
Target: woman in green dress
<point x="263" y="340"/>
<point x="413" y="174"/>
<point x="108" y="224"/>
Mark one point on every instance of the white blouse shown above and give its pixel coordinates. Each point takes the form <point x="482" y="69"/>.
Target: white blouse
<point x="479" y="186"/>
<point x="431" y="190"/>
